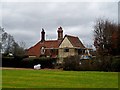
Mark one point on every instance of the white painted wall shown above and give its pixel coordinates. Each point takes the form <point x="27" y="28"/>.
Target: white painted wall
<point x="65" y="43"/>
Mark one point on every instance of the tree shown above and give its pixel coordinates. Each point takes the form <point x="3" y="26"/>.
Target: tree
<point x="9" y="45"/>
<point x="106" y="38"/>
<point x="107" y="43"/>
<point x="1" y="31"/>
<point x="6" y="41"/>
<point x="19" y="50"/>
<point x="118" y="44"/>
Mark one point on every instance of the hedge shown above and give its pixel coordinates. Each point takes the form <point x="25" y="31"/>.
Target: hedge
<point x="106" y="63"/>
<point x="25" y="62"/>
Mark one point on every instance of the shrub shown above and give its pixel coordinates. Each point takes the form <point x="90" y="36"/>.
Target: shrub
<point x="71" y="63"/>
<point x="28" y="62"/>
<point x="116" y="64"/>
<point x="8" y="61"/>
<point x="106" y="63"/>
<point x="15" y="61"/>
<point x="45" y="62"/>
<point x="74" y="63"/>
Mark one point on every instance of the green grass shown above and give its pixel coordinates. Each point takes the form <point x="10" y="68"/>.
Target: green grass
<point x="58" y="79"/>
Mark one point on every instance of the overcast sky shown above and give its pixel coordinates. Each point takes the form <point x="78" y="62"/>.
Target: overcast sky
<point x="24" y="20"/>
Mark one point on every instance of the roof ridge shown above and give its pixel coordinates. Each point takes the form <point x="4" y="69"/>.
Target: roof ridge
<point x="75" y="41"/>
<point x="71" y="36"/>
<point x="50" y="40"/>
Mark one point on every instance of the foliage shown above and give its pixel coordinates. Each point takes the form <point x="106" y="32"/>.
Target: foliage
<point x="6" y="41"/>
<point x="9" y="45"/>
<point x="45" y="62"/>
<point x="58" y="79"/>
<point x="115" y="66"/>
<point x="25" y="62"/>
<point x="118" y="43"/>
<point x="107" y="44"/>
<point x="102" y="63"/>
<point x="18" y="50"/>
<point x="74" y="63"/>
<point x="106" y="37"/>
<point x="106" y="63"/>
<point x="71" y="63"/>
<point x="15" y="61"/>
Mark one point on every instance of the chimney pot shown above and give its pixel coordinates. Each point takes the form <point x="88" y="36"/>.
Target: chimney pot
<point x="60" y="33"/>
<point x="43" y="35"/>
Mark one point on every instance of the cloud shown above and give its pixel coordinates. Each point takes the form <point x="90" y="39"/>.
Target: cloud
<point x="60" y="1"/>
<point x="24" y="20"/>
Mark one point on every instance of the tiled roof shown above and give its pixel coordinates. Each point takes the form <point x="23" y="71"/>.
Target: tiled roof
<point x="35" y="50"/>
<point x="51" y="43"/>
<point x="75" y="41"/>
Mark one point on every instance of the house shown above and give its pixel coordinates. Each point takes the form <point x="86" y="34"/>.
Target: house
<point x="70" y="46"/>
<point x="60" y="48"/>
<point x="46" y="48"/>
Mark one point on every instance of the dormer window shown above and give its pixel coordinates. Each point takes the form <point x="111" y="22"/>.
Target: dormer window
<point x="42" y="50"/>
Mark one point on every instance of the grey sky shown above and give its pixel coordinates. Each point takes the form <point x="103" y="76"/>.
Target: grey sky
<point x="24" y="20"/>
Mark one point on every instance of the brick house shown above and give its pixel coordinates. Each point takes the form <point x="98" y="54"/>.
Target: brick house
<point x="60" y="48"/>
<point x="47" y="48"/>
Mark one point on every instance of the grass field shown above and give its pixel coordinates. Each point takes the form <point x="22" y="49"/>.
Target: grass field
<point x="58" y="79"/>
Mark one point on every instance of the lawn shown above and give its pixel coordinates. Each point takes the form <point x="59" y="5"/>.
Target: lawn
<point x="58" y="79"/>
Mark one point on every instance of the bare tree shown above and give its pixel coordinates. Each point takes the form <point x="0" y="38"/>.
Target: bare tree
<point x="1" y="31"/>
<point x="105" y="36"/>
<point x="19" y="49"/>
<point x="22" y="44"/>
<point x="118" y="44"/>
<point x="9" y="45"/>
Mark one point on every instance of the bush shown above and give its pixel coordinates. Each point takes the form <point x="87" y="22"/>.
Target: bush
<point x="115" y="66"/>
<point x="74" y="63"/>
<point x="45" y="62"/>
<point x="25" y="62"/>
<point x="8" y="62"/>
<point x="28" y="62"/>
<point x="106" y="63"/>
<point x="15" y="61"/>
<point x="71" y="63"/>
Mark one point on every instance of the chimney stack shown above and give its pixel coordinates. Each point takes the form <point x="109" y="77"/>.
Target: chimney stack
<point x="60" y="33"/>
<point x="42" y="35"/>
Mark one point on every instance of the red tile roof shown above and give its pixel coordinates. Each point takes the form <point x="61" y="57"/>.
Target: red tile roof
<point x="75" y="41"/>
<point x="35" y="50"/>
<point x="51" y="43"/>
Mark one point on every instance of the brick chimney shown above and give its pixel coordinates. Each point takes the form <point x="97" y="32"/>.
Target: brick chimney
<point x="60" y="33"/>
<point x="42" y="35"/>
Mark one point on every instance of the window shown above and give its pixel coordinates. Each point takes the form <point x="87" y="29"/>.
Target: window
<point x="66" y="50"/>
<point x="52" y="50"/>
<point x="79" y="51"/>
<point x="42" y="50"/>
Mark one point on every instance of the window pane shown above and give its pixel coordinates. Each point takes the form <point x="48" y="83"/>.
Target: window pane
<point x="66" y="50"/>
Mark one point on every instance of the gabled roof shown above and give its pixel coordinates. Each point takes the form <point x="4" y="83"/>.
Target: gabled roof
<point x="35" y="50"/>
<point x="50" y="43"/>
<point x="75" y="41"/>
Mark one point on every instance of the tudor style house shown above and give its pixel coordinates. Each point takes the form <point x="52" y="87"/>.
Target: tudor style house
<point x="70" y="46"/>
<point x="60" y="48"/>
